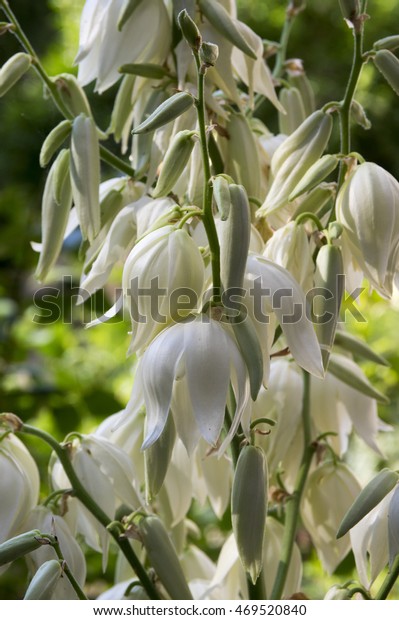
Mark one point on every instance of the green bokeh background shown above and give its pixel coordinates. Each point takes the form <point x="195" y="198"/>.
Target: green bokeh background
<point x="61" y="377"/>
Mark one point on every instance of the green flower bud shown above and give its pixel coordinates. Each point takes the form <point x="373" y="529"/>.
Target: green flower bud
<point x="387" y="43"/>
<point x="337" y="593"/>
<point x="123" y="108"/>
<point x="350" y="9"/>
<point x="235" y="235"/>
<point x="209" y="53"/>
<point x="148" y="70"/>
<point x="53" y="141"/>
<point x="127" y="11"/>
<point x="388" y="64"/>
<point x="72" y="94"/>
<point x="157" y="458"/>
<point x="221" y="194"/>
<point x="248" y="342"/>
<point x="12" y="71"/>
<point x="163" y="558"/>
<point x="19" y="546"/>
<point x="301" y="82"/>
<point x="329" y="289"/>
<point x="176" y="158"/>
<point x="357" y="347"/>
<point x="315" y="175"/>
<point x="348" y="372"/>
<point x="56" y="205"/>
<point x="372" y="494"/>
<point x="295" y="156"/>
<point x="44" y="581"/>
<point x="249" y="508"/>
<point x="141" y="152"/>
<point x="85" y="175"/>
<point x="241" y="154"/>
<point x="217" y="15"/>
<point x="358" y="115"/>
<point x="166" y="112"/>
<point x="189" y="30"/>
<point x="317" y="199"/>
<point x="291" y="100"/>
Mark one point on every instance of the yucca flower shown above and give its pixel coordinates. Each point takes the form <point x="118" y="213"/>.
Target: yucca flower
<point x="187" y="369"/>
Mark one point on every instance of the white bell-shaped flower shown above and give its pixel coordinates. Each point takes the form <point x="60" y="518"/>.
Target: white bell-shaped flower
<point x="202" y="357"/>
<point x="19" y="485"/>
<point x="330" y="491"/>
<point x="103" y="48"/>
<point x="368" y="209"/>
<point x="162" y="269"/>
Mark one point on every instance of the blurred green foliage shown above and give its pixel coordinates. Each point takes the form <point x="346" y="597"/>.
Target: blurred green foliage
<point x="62" y="377"/>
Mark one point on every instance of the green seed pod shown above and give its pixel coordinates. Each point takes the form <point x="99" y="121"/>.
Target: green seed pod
<point x="163" y="558"/>
<point x="295" y="156"/>
<point x="301" y="82"/>
<point x="327" y="302"/>
<point x="12" y="71"/>
<point x="221" y="194"/>
<point x="127" y="11"/>
<point x="291" y="100"/>
<point x="350" y="9"/>
<point x="315" y="175"/>
<point x="357" y="347"/>
<point x="176" y="158"/>
<point x="123" y="108"/>
<point x="53" y="141"/>
<point x="249" y="508"/>
<point x="348" y="372"/>
<point x="372" y="494"/>
<point x="387" y="43"/>
<point x="55" y="214"/>
<point x="148" y="70"/>
<point x="241" y="155"/>
<point x="157" y="458"/>
<point x="388" y="64"/>
<point x="166" y="112"/>
<point x="235" y="234"/>
<point x="72" y="94"/>
<point x="19" y="546"/>
<point x="85" y="175"/>
<point x="189" y="30"/>
<point x="217" y="15"/>
<point x="44" y="582"/>
<point x="209" y="54"/>
<point x="248" y="342"/>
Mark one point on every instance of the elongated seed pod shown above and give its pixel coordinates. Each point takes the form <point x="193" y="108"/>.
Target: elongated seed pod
<point x="163" y="558"/>
<point x="291" y="100"/>
<point x="221" y="20"/>
<point x="19" y="546"/>
<point x="388" y="64"/>
<point x="44" y="581"/>
<point x="85" y="175"/>
<point x="157" y="458"/>
<point x="348" y="372"/>
<point x="12" y="71"/>
<point x="235" y="234"/>
<point x="176" y="158"/>
<point x="370" y="496"/>
<point x="329" y="289"/>
<point x="248" y="342"/>
<point x="55" y="214"/>
<point x="54" y="140"/>
<point x="356" y="346"/>
<point x="315" y="175"/>
<point x="249" y="508"/>
<point x="72" y="94"/>
<point x="166" y="112"/>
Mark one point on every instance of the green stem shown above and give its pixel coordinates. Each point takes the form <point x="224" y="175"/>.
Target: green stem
<point x="105" y="154"/>
<point x="208" y="220"/>
<point x="93" y="507"/>
<point x="293" y="503"/>
<point x="285" y="35"/>
<point x="79" y="592"/>
<point x="307" y="215"/>
<point x="388" y="582"/>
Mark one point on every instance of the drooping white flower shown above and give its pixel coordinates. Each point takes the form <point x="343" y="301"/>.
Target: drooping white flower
<point x="103" y="48"/>
<point x="188" y="369"/>
<point x="329" y="492"/>
<point x="162" y="267"/>
<point x="19" y="485"/>
<point x="368" y="209"/>
<point x="46" y="522"/>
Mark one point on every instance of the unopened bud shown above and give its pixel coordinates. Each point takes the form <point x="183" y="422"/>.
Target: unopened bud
<point x="350" y="9"/>
<point x="235" y="235"/>
<point x="189" y="30"/>
<point x="166" y="112"/>
<point x="347" y="371"/>
<point x="44" y="581"/>
<point x="291" y="100"/>
<point x="53" y="141"/>
<point x="148" y="70"/>
<point x="19" y="546"/>
<point x="157" y="458"/>
<point x="209" y="53"/>
<point x="248" y="342"/>
<point x="221" y="195"/>
<point x="175" y="161"/>
<point x="358" y="115"/>
<point x="217" y="15"/>
<point x="388" y="64"/>
<point x="387" y="43"/>
<point x="72" y="94"/>
<point x="12" y="71"/>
